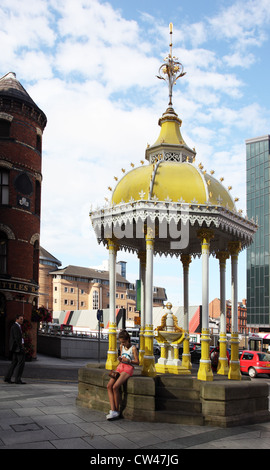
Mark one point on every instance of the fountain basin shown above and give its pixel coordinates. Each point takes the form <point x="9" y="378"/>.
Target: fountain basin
<point x="170" y="336"/>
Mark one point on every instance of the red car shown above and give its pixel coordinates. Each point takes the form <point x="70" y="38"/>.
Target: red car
<point x="254" y="363"/>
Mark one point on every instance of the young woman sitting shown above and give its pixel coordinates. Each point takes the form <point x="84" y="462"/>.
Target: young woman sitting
<point x="127" y="360"/>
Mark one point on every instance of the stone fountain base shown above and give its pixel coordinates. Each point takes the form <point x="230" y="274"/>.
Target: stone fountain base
<point x="178" y="399"/>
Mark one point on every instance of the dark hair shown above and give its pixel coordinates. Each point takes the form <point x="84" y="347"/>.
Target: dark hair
<point x="124" y="335"/>
<point x="18" y="315"/>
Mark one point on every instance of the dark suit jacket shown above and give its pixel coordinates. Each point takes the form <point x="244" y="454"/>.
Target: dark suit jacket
<point x="15" y="340"/>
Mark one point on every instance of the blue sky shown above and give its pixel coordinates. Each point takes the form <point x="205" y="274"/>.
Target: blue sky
<point x="91" y="66"/>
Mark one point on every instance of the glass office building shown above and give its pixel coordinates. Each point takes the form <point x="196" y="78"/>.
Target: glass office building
<point x="258" y="195"/>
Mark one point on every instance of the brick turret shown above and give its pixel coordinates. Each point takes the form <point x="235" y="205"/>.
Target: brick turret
<point x="21" y="128"/>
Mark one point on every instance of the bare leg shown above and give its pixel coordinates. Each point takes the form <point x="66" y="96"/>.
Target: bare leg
<point x="110" y="393"/>
<point x="116" y="389"/>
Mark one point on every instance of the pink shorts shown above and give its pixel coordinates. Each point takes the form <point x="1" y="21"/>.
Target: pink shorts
<point x="125" y="368"/>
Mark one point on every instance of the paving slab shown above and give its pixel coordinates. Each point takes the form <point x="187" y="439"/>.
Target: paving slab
<point x="43" y="414"/>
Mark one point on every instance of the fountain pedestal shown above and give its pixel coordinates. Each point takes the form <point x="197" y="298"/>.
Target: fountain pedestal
<point x="169" y="336"/>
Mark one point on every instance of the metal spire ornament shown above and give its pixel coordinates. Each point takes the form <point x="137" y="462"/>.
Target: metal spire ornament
<point x="171" y="68"/>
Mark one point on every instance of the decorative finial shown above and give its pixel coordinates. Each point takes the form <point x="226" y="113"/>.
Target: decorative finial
<point x="171" y="68"/>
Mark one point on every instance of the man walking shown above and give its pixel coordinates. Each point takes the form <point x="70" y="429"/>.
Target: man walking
<point x="16" y="347"/>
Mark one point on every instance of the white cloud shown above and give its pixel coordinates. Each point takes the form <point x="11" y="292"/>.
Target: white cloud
<point x="92" y="72"/>
<point x="244" y="22"/>
<point x="238" y="59"/>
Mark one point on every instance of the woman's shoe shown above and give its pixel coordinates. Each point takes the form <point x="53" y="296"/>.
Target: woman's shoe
<point x="113" y="415"/>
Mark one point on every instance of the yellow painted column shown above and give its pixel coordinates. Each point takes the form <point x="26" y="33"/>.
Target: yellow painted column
<point x="176" y="352"/>
<point x="223" y="367"/>
<point x="148" y="360"/>
<point x="234" y="368"/>
<point x="205" y="371"/>
<point x="112" y="353"/>
<point x="148" y="367"/>
<point x="142" y="258"/>
<point x="163" y="351"/>
<point x="186" y="362"/>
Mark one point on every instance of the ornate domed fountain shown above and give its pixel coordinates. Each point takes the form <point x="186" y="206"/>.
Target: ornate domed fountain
<point x="172" y="206"/>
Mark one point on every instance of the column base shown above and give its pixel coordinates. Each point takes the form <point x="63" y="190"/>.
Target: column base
<point x="234" y="368"/>
<point x="234" y="371"/>
<point x="223" y="368"/>
<point x="186" y="362"/>
<point x="112" y="361"/>
<point x="112" y="353"/>
<point x="149" y="369"/>
<point x="142" y="349"/>
<point x="186" y="358"/>
<point x="205" y="371"/>
<point x="141" y="356"/>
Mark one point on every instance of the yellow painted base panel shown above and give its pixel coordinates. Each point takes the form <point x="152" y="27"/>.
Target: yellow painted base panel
<point x="223" y="368"/>
<point x="205" y="372"/>
<point x="186" y="363"/>
<point x="234" y="372"/>
<point x="112" y="361"/>
<point x="170" y="369"/>
<point x="148" y="368"/>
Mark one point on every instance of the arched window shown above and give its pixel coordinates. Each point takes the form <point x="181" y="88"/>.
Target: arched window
<point x="3" y="253"/>
<point x="95" y="300"/>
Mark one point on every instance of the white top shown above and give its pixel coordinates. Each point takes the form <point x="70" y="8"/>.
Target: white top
<point x="128" y="353"/>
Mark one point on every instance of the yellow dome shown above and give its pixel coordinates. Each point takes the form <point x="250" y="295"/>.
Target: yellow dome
<point x="171" y="181"/>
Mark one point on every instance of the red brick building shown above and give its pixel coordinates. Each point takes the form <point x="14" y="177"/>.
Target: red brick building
<point x="214" y="312"/>
<point x="21" y="127"/>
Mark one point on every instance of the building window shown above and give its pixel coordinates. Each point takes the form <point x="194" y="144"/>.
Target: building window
<point x="4" y="186"/>
<point x="38" y="143"/>
<point x="72" y="290"/>
<point x="55" y="287"/>
<point x="37" y="198"/>
<point x="66" y="302"/>
<point x="95" y="300"/>
<point x="3" y="253"/>
<point x="82" y="304"/>
<point x="66" y="289"/>
<point x="4" y="128"/>
<point x="72" y="302"/>
<point x="36" y="261"/>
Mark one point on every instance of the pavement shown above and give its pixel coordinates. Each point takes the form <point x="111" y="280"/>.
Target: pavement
<point x="42" y="414"/>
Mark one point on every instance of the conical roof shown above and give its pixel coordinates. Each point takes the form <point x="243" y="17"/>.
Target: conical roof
<point x="11" y="88"/>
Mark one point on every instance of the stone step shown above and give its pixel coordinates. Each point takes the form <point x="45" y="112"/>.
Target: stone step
<point x="176" y="392"/>
<point x="193" y="406"/>
<point x="177" y="417"/>
<point x="170" y="380"/>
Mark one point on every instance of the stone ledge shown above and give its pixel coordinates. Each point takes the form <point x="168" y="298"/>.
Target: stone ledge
<point x="224" y="403"/>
